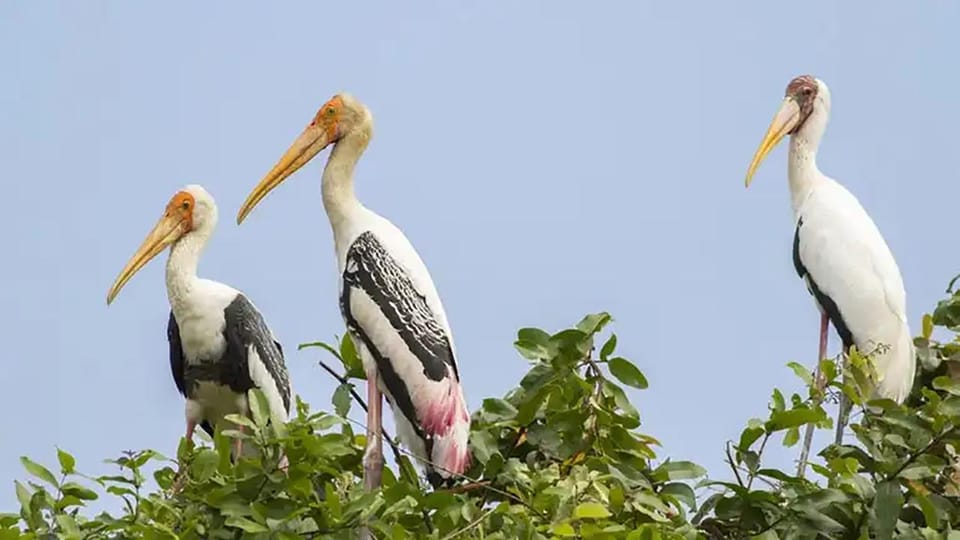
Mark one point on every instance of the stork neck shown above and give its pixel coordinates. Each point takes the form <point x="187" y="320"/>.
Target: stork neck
<point x="802" y="171"/>
<point x="339" y="198"/>
<point x="182" y="266"/>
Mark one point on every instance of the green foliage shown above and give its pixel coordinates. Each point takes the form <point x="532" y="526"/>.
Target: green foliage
<point x="561" y="455"/>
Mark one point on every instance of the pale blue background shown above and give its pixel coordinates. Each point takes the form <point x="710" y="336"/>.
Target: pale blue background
<point x="546" y="158"/>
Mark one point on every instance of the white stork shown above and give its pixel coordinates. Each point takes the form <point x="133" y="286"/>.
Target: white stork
<point x="220" y="346"/>
<point x="388" y="301"/>
<point x="838" y="250"/>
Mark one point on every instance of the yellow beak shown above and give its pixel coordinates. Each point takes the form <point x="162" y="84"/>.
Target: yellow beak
<point x="164" y="233"/>
<point x="308" y="144"/>
<point x="783" y="122"/>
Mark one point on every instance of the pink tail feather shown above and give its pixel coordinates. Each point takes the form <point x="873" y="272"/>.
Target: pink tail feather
<point x="448" y="421"/>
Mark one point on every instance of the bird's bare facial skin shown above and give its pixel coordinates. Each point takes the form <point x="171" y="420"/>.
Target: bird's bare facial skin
<point x="803" y="90"/>
<point x="181" y="207"/>
<point x="329" y="117"/>
<point x="176" y="221"/>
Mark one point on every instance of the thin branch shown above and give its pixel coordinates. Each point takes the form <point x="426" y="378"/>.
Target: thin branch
<point x="763" y="444"/>
<point x="363" y="405"/>
<point x="916" y="455"/>
<point x="468" y="487"/>
<point x="732" y="465"/>
<point x="471" y="525"/>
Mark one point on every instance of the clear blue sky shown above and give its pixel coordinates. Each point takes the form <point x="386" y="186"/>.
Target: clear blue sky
<point x="547" y="159"/>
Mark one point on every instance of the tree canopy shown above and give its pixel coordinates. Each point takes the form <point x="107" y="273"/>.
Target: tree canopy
<point x="561" y="455"/>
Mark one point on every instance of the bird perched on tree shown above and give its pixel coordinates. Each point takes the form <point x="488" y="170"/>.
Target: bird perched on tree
<point x="838" y="250"/>
<point x="220" y="346"/>
<point x="388" y="301"/>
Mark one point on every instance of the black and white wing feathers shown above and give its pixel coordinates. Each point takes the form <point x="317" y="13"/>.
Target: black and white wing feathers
<point x="253" y="352"/>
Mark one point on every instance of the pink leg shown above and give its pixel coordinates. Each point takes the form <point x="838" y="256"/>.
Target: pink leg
<point x="191" y="426"/>
<point x="373" y="458"/>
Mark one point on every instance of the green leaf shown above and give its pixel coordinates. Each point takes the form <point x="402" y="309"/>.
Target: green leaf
<point x="791" y="437"/>
<point x="204" y="464"/>
<point x="67" y="462"/>
<point x="946" y="384"/>
<point x="483" y="445"/>
<point x="498" y="409"/>
<point x="886" y="508"/>
<point x="350" y="359"/>
<point x="627" y="373"/>
<point x="39" y="471"/>
<point x="259" y="407"/>
<point x="240" y="420"/>
<point x="246" y="524"/>
<point x="591" y="510"/>
<point x="593" y="323"/>
<point x="563" y="530"/>
<point x="801" y="372"/>
<point x="682" y="492"/>
<point x="929" y="511"/>
<point x="78" y="491"/>
<point x="68" y="526"/>
<point x="608" y="347"/>
<point x="749" y="436"/>
<point x="23" y="495"/>
<point x="678" y="470"/>
<point x="782" y="420"/>
<point x="341" y="399"/>
<point x="778" y="403"/>
<point x="533" y="344"/>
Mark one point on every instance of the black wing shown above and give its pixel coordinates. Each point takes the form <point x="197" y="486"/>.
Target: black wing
<point x="176" y="354"/>
<point x="244" y="326"/>
<point x="177" y="364"/>
<point x="372" y="271"/>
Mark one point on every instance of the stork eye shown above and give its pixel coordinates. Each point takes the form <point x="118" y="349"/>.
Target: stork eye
<point x="185" y="205"/>
<point x="331" y="111"/>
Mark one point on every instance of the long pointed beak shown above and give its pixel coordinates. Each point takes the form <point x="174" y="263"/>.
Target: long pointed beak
<point x="164" y="233"/>
<point x="783" y="123"/>
<point x="308" y="144"/>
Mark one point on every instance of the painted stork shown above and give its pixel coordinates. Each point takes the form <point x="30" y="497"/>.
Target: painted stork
<point x="388" y="301"/>
<point x="220" y="346"/>
<point x="838" y="250"/>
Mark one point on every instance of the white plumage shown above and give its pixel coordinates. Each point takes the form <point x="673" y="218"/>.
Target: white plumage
<point x="848" y="259"/>
<point x="220" y="346"/>
<point x="838" y="249"/>
<point x="840" y="254"/>
<point x="388" y="300"/>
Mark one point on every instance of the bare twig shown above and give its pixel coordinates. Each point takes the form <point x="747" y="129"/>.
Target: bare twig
<point x="733" y="465"/>
<point x="471" y="525"/>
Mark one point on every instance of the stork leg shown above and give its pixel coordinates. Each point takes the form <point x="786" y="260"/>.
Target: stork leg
<point x="373" y="457"/>
<point x="820" y="383"/>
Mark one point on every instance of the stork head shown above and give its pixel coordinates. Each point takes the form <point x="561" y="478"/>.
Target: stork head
<point x="190" y="210"/>
<point x="803" y="112"/>
<point x="340" y="117"/>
